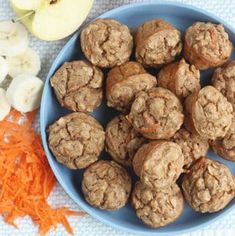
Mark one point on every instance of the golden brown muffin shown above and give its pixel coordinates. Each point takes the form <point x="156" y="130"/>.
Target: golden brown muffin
<point x="208" y="113"/>
<point x="78" y="86"/>
<point x="157" y="43"/>
<point x="193" y="146"/>
<point x="207" y="45"/>
<point x="225" y="147"/>
<point x="122" y="140"/>
<point x="224" y="80"/>
<point x="209" y="186"/>
<point x="106" y="43"/>
<point x="76" y="140"/>
<point x="124" y="82"/>
<point x="106" y="185"/>
<point x="156" y="114"/>
<point x="157" y="207"/>
<point x="158" y="163"/>
<point x="180" y="78"/>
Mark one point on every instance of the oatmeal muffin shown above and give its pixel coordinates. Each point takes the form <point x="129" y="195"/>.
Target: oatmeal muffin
<point x="106" y="185"/>
<point x="181" y="78"/>
<point x="193" y="146"/>
<point x="207" y="45"/>
<point x="224" y="80"/>
<point x="78" y="86"/>
<point x="209" y="186"/>
<point x="225" y="147"/>
<point x="157" y="43"/>
<point x="156" y="114"/>
<point x="122" y="140"/>
<point x="124" y="82"/>
<point x="208" y="113"/>
<point x="157" y="207"/>
<point x="159" y="163"/>
<point x="76" y="140"/>
<point x="106" y="43"/>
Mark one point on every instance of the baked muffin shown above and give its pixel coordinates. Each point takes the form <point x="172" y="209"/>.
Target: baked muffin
<point x="208" y="113"/>
<point x="225" y="147"/>
<point x="158" y="163"/>
<point x="122" y="141"/>
<point x="156" y="113"/>
<point x="224" y="80"/>
<point x="124" y="82"/>
<point x="78" y="86"/>
<point x="180" y="78"/>
<point x="76" y="140"/>
<point x="106" y="43"/>
<point x="106" y="185"/>
<point x="207" y="45"/>
<point x="193" y="146"/>
<point x="157" y="43"/>
<point x="157" y="207"/>
<point x="209" y="186"/>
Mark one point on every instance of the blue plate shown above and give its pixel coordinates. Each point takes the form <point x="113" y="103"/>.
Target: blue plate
<point x="179" y="15"/>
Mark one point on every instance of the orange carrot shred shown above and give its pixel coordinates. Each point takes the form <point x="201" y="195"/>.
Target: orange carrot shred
<point x="26" y="179"/>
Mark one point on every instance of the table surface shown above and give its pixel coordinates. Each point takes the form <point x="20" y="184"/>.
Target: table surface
<point x="88" y="226"/>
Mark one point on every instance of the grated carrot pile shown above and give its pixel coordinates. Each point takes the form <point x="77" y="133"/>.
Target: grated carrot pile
<point x="26" y="179"/>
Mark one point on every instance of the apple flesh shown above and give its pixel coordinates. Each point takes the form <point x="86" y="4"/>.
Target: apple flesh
<point x="54" y="19"/>
<point x="26" y="4"/>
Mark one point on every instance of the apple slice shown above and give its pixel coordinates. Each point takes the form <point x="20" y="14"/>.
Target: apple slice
<point x="26" y="4"/>
<point x="53" y="19"/>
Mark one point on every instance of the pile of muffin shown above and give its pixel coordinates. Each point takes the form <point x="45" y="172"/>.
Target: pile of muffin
<point x="167" y="120"/>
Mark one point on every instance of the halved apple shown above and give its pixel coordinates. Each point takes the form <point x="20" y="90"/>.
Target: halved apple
<point x="52" y="19"/>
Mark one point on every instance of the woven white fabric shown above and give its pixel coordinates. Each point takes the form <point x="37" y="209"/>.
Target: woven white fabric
<point x="88" y="226"/>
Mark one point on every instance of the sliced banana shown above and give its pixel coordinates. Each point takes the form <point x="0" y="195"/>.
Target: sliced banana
<point x="26" y="4"/>
<point x="26" y="63"/>
<point x="4" y="105"/>
<point x="3" y="69"/>
<point x="13" y="38"/>
<point x="24" y="93"/>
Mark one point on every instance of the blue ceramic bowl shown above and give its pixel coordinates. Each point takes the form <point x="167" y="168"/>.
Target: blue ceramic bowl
<point x="181" y="16"/>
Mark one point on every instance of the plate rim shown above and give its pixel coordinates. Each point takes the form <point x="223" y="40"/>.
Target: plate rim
<point x="43" y="131"/>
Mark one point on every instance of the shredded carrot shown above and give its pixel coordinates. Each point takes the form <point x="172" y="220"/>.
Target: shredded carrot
<point x="26" y="179"/>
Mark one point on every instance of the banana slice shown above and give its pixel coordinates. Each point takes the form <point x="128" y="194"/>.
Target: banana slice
<point x="26" y="4"/>
<point x="26" y="63"/>
<point x="24" y="93"/>
<point x="3" y="69"/>
<point x="4" y="105"/>
<point x="13" y="38"/>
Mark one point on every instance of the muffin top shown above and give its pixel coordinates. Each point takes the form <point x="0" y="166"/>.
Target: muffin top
<point x="157" y="43"/>
<point x="209" y="186"/>
<point x="207" y="45"/>
<point x="122" y="140"/>
<point x="106" y="185"/>
<point x="210" y="112"/>
<point x="106" y="43"/>
<point x="156" y="114"/>
<point x="76" y="140"/>
<point x="180" y="78"/>
<point x="78" y="86"/>
<point x="124" y="82"/>
<point x="159" y="163"/>
<point x="157" y="207"/>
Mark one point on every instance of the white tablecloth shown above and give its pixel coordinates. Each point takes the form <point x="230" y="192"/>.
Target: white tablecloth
<point x="88" y="226"/>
